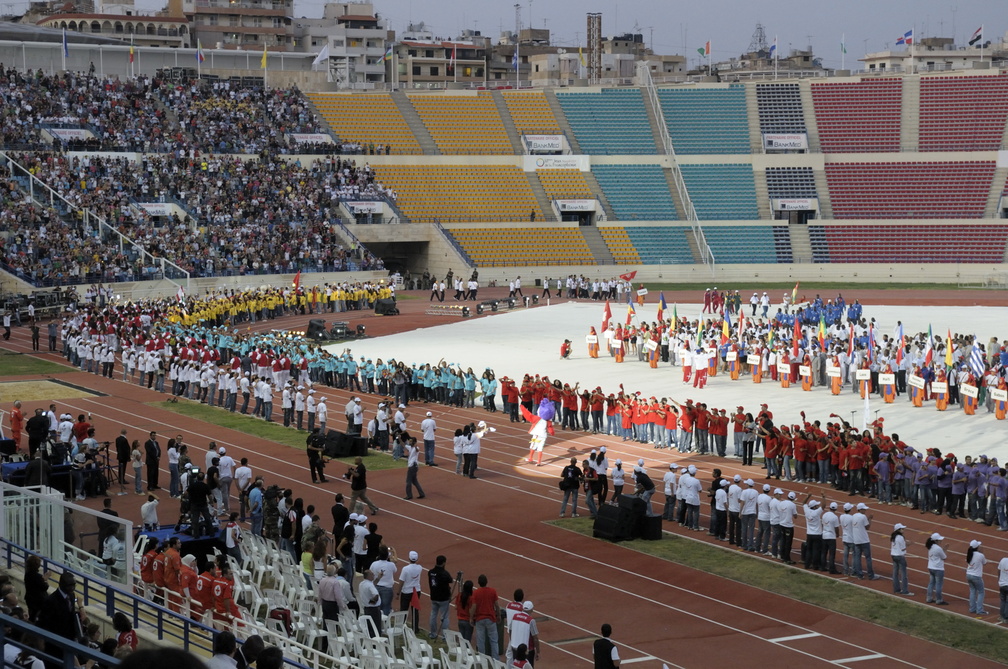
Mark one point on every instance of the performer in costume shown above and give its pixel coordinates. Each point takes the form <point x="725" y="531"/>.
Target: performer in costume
<point x="593" y="345"/>
<point x="888" y="389"/>
<point x="941" y="398"/>
<point x="542" y="424"/>
<point x="806" y="377"/>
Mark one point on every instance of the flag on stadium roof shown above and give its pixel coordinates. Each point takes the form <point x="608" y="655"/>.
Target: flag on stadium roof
<point x="906" y="39"/>
<point x="977" y="36"/>
<point x="773" y="48"/>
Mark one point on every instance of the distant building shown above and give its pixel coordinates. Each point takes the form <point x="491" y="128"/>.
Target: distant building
<point x="936" y="54"/>
<point x="164" y="31"/>
<point x="436" y="63"/>
<point x="357" y="40"/>
<point x="239" y="24"/>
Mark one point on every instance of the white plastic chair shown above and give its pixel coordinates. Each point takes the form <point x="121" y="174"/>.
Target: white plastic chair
<point x="395" y="626"/>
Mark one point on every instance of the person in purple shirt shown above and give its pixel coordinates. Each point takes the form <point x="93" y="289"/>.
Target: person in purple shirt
<point x="882" y="469"/>
<point x="922" y="482"/>
<point x="944" y="481"/>
<point x="899" y="471"/>
<point x="971" y="488"/>
<point x="933" y="470"/>
<point x="959" y="480"/>
<point x="998" y="486"/>
<point x="913" y="463"/>
<point x="983" y="471"/>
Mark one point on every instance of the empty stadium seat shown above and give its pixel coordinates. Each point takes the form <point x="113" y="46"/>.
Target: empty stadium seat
<point x="858" y="117"/>
<point x="519" y="246"/>
<point x="611" y="122"/>
<point x="742" y="243"/>
<point x="636" y="192"/>
<point x="790" y="182"/>
<point x="706" y="120"/>
<point x="722" y="192"/>
<point x="463" y="124"/>
<point x="946" y="189"/>
<point x="620" y="245"/>
<point x="565" y="185"/>
<point x="366" y="118"/>
<point x="780" y="108"/>
<point x="963" y="113"/>
<point x="531" y="113"/>
<point x="666" y="244"/>
<point x="913" y="243"/>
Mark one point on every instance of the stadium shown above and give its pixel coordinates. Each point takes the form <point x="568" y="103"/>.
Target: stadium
<point x="224" y="216"/>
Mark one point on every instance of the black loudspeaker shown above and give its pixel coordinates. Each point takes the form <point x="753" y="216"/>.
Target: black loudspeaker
<point x="358" y="446"/>
<point x="651" y="528"/>
<point x="337" y="445"/>
<point x="316" y="329"/>
<point x="386" y="307"/>
<point x="633" y="512"/>
<point x="632" y="503"/>
<point x="609" y="524"/>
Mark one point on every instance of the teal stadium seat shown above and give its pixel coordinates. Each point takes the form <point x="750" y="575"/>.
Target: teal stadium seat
<point x="612" y="122"/>
<point x="722" y="192"/>
<point x="706" y="120"/>
<point x="636" y="192"/>
<point x="740" y="244"/>
<point x="666" y="244"/>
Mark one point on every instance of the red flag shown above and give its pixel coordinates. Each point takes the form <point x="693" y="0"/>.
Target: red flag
<point x="629" y="276"/>
<point x="414" y="602"/>
<point x="297" y="280"/>
<point x="796" y="338"/>
<point x="606" y="316"/>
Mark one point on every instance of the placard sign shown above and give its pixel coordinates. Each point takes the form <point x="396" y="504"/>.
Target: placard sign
<point x="804" y="370"/>
<point x="939" y="387"/>
<point x="916" y="381"/>
<point x="969" y="391"/>
<point x="862" y="374"/>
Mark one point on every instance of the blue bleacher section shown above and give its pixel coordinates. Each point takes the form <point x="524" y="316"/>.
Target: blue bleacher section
<point x="780" y="108"/>
<point x="611" y="122"/>
<point x="735" y="244"/>
<point x="667" y="244"/>
<point x="722" y="192"/>
<point x="706" y="120"/>
<point x="636" y="192"/>
<point x="790" y="182"/>
<point x="820" y="247"/>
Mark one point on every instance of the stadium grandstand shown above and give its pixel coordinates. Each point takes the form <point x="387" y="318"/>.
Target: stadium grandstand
<point x="223" y="178"/>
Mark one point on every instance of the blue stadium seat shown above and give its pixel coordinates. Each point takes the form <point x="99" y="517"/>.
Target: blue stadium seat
<point x="611" y="122"/>
<point x="722" y="192"/>
<point x="636" y="192"/>
<point x="706" y="120"/>
<point x="665" y="244"/>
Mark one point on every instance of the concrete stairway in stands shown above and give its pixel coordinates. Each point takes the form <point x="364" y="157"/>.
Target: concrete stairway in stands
<point x="557" y="110"/>
<point x="416" y="126"/>
<point x="545" y="204"/>
<point x="509" y="126"/>
<point x="910" y="118"/>
<point x="801" y="244"/>
<point x="808" y="110"/>
<point x="596" y="244"/>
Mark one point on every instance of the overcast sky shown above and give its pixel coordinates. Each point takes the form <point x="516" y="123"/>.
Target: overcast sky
<point x="681" y="27"/>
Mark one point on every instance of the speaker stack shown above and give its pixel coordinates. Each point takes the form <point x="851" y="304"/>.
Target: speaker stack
<point x="628" y="519"/>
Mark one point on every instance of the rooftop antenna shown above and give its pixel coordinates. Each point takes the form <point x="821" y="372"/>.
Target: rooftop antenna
<point x="758" y="42"/>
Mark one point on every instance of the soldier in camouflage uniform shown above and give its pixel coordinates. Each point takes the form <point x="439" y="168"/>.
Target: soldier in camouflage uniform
<point x="271" y="513"/>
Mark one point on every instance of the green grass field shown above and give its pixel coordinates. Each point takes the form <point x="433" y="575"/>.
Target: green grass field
<point x="20" y="364"/>
<point x="270" y="431"/>
<point x="904" y="615"/>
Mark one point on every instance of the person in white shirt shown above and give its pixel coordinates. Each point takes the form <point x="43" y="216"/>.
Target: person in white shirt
<point x="357" y="414"/>
<point x="936" y="569"/>
<point x="734" y="512"/>
<point x="788" y="512"/>
<point x="173" y="470"/>
<point x="830" y="523"/>
<point x="369" y="598"/>
<point x="691" y="496"/>
<point x="299" y="406"/>
<point x="322" y="414"/>
<point x="898" y="553"/>
<point x="720" y="511"/>
<point x="763" y="501"/>
<point x="1003" y="589"/>
<point x="226" y="467"/>
<point x="747" y="505"/>
<point x="410" y="576"/>
<point x="975" y="562"/>
<point x="860" y="525"/>
<point x="148" y="512"/>
<point x="245" y="387"/>
<point x="243" y="479"/>
<point x="428" y="427"/>
<point x="668" y="513"/>
<point x="813" y="533"/>
<point x="384" y="571"/>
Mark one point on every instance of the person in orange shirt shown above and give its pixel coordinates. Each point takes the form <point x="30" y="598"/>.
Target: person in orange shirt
<point x="225" y="609"/>
<point x="619" y="346"/>
<point x="187" y="583"/>
<point x="969" y="403"/>
<point x="757" y="369"/>
<point x="147" y="563"/>
<point x="734" y="366"/>
<point x="172" y="572"/>
<point x="16" y="423"/>
<point x="806" y="378"/>
<point x="1001" y="406"/>
<point x="785" y="373"/>
<point x="836" y="383"/>
<point x="158" y="573"/>
<point x="626" y="410"/>
<point x="203" y="595"/>
<point x="593" y="346"/>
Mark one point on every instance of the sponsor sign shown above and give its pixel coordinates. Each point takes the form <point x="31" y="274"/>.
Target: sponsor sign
<point x="533" y="163"/>
<point x="311" y="138"/>
<point x="544" y="143"/>
<point x="795" y="204"/>
<point x="576" y="205"/>
<point x="365" y="207"/>
<point x="156" y="208"/>
<point x="887" y="379"/>
<point x="797" y="141"/>
<point x="67" y="134"/>
<point x="916" y="381"/>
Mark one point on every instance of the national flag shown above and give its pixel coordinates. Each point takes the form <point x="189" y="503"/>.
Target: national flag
<point x="297" y="280"/>
<point x="977" y="36"/>
<point x="843" y="47"/>
<point x="977" y="359"/>
<point x="514" y="59"/>
<point x="902" y="345"/>
<point x="661" y="306"/>
<point x="322" y="57"/>
<point x="131" y="53"/>
<point x="850" y="343"/>
<point x="606" y="316"/>
<point x="66" y="47"/>
<point x="796" y="338"/>
<point x="871" y="343"/>
<point x="822" y="332"/>
<point x="262" y="63"/>
<point x="726" y="329"/>
<point x="199" y="52"/>
<point x="388" y="54"/>
<point x="906" y="39"/>
<point x="948" y="351"/>
<point x="770" y="338"/>
<point x="630" y="312"/>
<point x="180" y="294"/>
<point x="581" y="57"/>
<point x="773" y="48"/>
<point x="699" y="336"/>
<point x="451" y="61"/>
<point x="929" y="348"/>
<point x="794" y="293"/>
<point x="629" y="276"/>
<point x="414" y="602"/>
<point x="675" y="317"/>
<point x="705" y="49"/>
<point x="741" y="326"/>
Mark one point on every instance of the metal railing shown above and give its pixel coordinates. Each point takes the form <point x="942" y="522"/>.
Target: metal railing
<point x="652" y="95"/>
<point x="454" y="243"/>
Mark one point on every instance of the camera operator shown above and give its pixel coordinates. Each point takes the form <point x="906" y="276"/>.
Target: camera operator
<point x="442" y="589"/>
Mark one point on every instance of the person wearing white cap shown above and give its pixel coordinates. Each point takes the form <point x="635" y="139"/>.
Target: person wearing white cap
<point x="691" y="496"/>
<point x="747" y="514"/>
<point x="975" y="562"/>
<point x="322" y="414"/>
<point x="846" y="521"/>
<point x="860" y="524"/>
<point x="226" y="467"/>
<point x="788" y="512"/>
<point x="898" y="552"/>
<point x="775" y="529"/>
<point x="763" y="501"/>
<point x="720" y="511"/>
<point x="522" y="630"/>
<point x="299" y="407"/>
<point x="358" y="417"/>
<point x="428" y="427"/>
<point x="813" y="533"/>
<point x="381" y="425"/>
<point x="668" y="513"/>
<point x="735" y="511"/>
<point x="830" y="525"/>
<point x="618" y="480"/>
<point x="410" y="587"/>
<point x="936" y="569"/>
<point x="400" y="418"/>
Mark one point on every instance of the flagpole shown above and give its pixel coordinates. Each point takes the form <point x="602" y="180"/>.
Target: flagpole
<point x="64" y="49"/>
<point x="913" y="46"/>
<point x="843" y="51"/>
<point x="981" y="43"/>
<point x="776" y="57"/>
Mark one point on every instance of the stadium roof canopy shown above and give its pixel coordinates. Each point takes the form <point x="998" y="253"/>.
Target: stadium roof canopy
<point x="21" y="32"/>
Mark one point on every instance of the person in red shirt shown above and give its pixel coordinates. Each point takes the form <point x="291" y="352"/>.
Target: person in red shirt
<point x="157" y="571"/>
<point x="147" y="562"/>
<point x="738" y="433"/>
<point x="81" y="428"/>
<point x="569" y="399"/>
<point x="686" y="426"/>
<point x="225" y="609"/>
<point x="565" y="349"/>
<point x="17" y="422"/>
<point x="172" y="568"/>
<point x="203" y="597"/>
<point x="126" y="636"/>
<point x="702" y="428"/>
<point x="596" y="403"/>
<point x="671" y="422"/>
<point x="187" y="584"/>
<point x="483" y="615"/>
